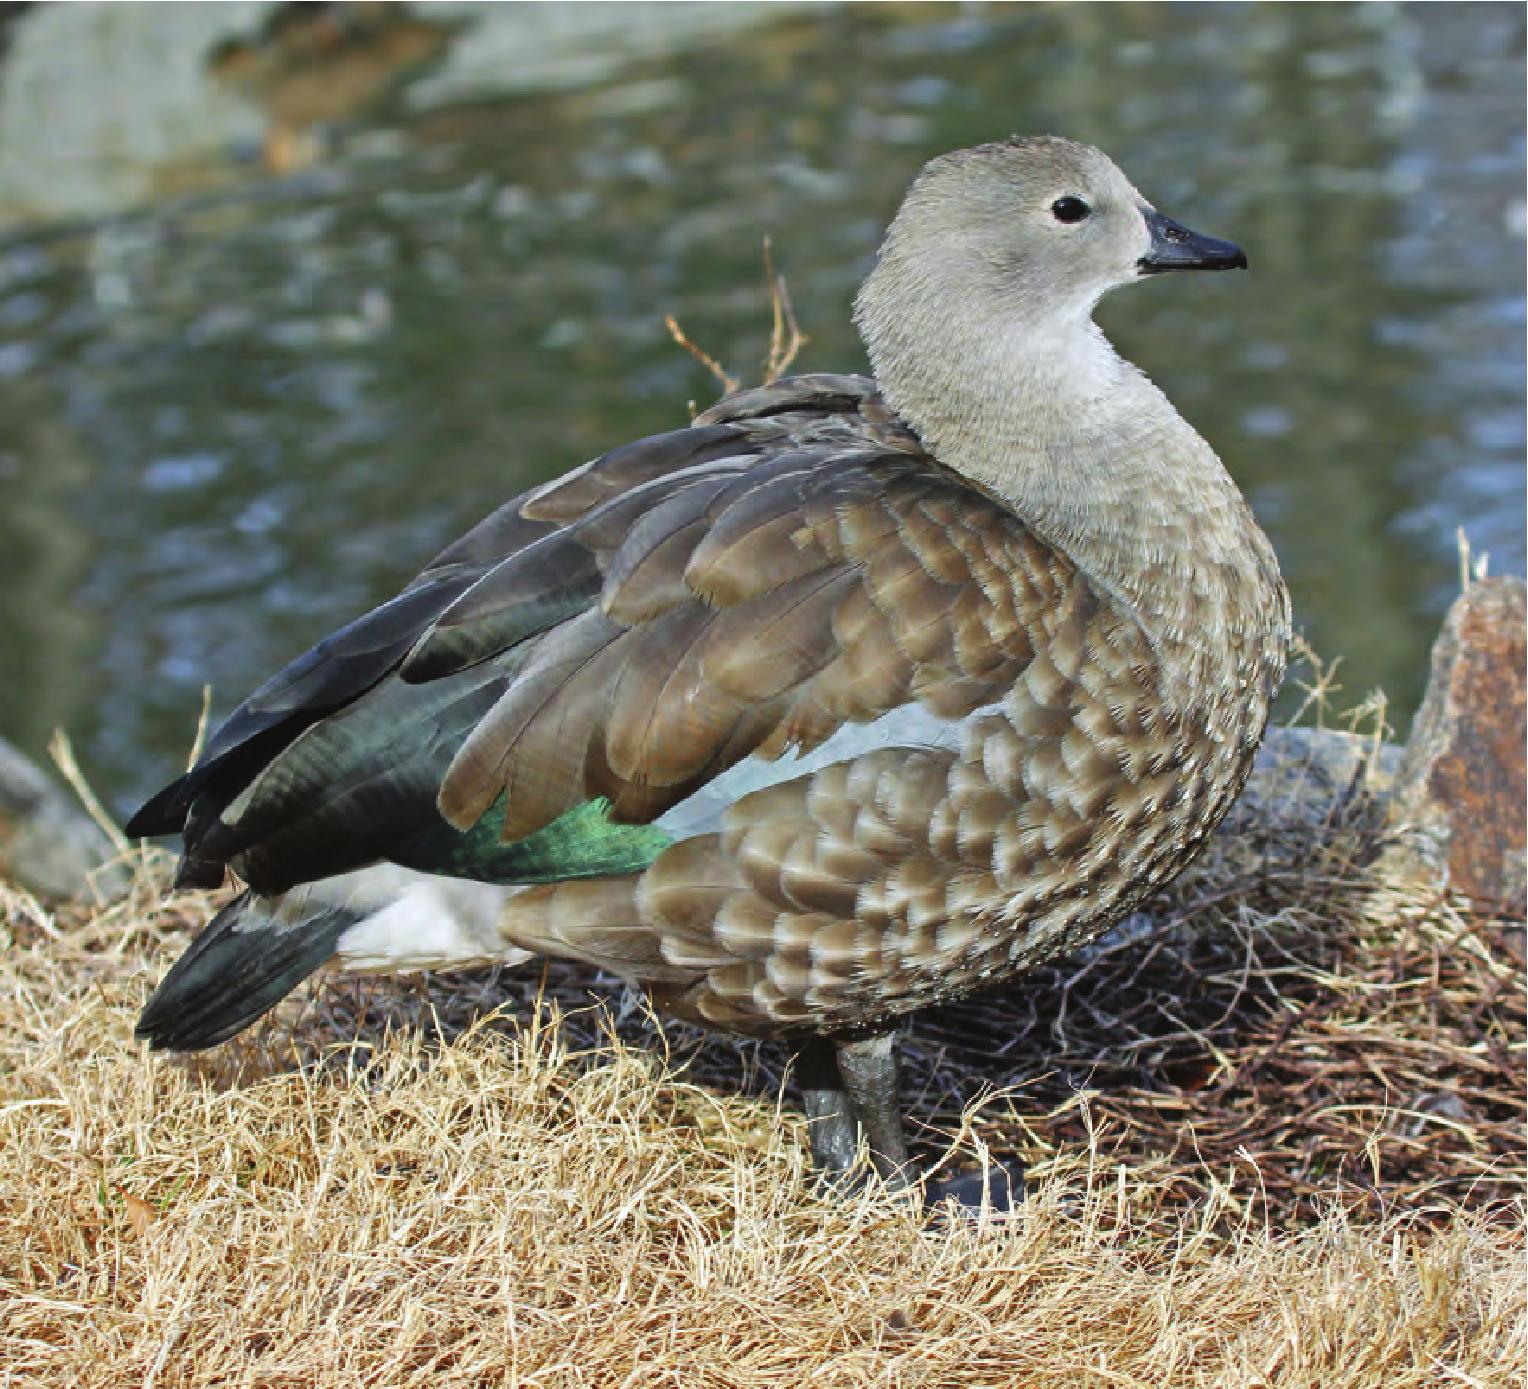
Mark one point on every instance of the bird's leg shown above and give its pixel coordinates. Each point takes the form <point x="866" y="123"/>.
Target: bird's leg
<point x="830" y="1119"/>
<point x="868" y="1067"/>
<point x="849" y="1091"/>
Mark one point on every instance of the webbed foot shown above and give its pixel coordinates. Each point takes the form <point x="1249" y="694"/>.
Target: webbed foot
<point x="996" y="1188"/>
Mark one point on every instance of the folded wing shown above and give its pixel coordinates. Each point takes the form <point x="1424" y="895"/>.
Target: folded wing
<point x="600" y="650"/>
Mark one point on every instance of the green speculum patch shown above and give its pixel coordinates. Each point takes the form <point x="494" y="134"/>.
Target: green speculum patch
<point x="582" y="843"/>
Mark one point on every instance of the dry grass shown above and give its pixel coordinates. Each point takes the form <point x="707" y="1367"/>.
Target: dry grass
<point x="1274" y="1138"/>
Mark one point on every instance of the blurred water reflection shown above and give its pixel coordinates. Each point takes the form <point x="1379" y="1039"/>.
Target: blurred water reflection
<point x="230" y="424"/>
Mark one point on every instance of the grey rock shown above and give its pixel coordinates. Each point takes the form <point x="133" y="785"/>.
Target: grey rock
<point x="47" y="843"/>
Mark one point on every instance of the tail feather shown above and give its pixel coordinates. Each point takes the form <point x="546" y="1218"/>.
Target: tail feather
<point x="244" y="963"/>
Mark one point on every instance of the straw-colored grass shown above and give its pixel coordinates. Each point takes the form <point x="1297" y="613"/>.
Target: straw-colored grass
<point x="1274" y="1139"/>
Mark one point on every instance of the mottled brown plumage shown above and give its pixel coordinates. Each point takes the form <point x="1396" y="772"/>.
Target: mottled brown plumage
<point x="919" y="680"/>
<point x="1086" y="758"/>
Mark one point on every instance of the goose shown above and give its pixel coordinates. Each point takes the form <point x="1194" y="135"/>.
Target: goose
<point x="855" y="695"/>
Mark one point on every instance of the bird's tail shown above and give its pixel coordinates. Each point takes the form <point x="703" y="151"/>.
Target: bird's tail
<point x="249" y="957"/>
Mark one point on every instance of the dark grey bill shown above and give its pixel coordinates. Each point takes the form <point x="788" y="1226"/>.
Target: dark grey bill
<point x="1175" y="247"/>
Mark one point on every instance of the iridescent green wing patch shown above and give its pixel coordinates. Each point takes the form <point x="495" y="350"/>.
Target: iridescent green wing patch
<point x="582" y="843"/>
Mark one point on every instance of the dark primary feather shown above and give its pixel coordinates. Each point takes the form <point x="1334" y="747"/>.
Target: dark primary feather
<point x="328" y="676"/>
<point x="352" y="785"/>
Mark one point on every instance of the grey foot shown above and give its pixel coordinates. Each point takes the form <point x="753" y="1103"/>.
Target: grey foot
<point x="998" y="1188"/>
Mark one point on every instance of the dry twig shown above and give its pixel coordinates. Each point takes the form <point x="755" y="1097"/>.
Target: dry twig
<point x="785" y="336"/>
<point x="728" y="383"/>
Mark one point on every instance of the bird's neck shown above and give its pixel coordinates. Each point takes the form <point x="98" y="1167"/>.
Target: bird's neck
<point x="1042" y="413"/>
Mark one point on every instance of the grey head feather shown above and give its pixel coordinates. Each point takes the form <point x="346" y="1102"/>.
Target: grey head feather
<point x="978" y="321"/>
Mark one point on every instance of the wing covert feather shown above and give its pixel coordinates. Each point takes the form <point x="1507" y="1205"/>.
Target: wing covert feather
<point x="747" y="612"/>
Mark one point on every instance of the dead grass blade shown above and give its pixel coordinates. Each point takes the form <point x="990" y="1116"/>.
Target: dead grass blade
<point x="785" y="336"/>
<point x="727" y="382"/>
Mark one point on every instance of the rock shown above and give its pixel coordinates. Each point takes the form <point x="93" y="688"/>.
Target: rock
<point x="1314" y="779"/>
<point x="1330" y="756"/>
<point x="121" y="99"/>
<point x="128" y="100"/>
<point x="47" y="843"/>
<point x="1459" y="794"/>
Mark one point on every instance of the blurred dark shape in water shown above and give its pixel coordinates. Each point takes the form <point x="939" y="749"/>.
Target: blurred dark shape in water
<point x="315" y="65"/>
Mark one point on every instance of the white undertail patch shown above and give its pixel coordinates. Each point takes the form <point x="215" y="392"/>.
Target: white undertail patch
<point x="410" y="920"/>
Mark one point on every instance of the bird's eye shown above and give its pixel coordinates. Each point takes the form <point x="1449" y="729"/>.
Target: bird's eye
<point x="1070" y="209"/>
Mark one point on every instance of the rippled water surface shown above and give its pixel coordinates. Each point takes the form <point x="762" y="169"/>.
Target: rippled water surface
<point x="229" y="423"/>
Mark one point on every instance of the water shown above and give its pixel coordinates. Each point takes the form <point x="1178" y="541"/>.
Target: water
<point x="228" y="423"/>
